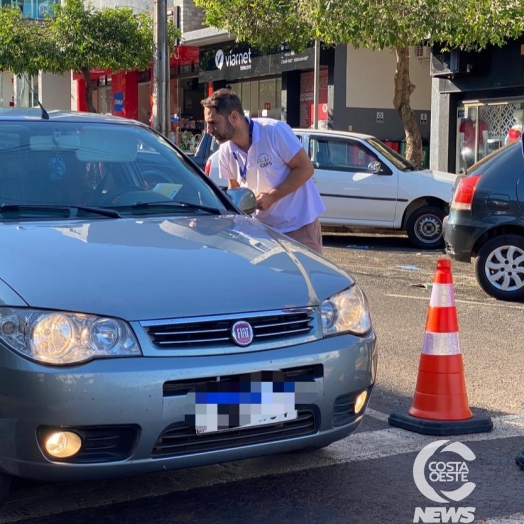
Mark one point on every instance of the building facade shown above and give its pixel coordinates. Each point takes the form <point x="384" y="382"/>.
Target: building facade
<point x="477" y="103"/>
<point x="356" y="86"/>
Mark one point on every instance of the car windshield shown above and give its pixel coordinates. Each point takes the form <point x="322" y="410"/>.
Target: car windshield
<point x="397" y="160"/>
<point x="107" y="170"/>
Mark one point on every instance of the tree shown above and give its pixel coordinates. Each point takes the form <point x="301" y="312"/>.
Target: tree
<point x="78" y="37"/>
<point x="376" y="25"/>
<point x="21" y="42"/>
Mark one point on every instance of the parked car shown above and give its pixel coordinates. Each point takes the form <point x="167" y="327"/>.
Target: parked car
<point x="366" y="184"/>
<point x="120" y="352"/>
<point x="206" y="147"/>
<point x="486" y="222"/>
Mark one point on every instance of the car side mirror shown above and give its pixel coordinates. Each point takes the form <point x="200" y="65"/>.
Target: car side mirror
<point x="243" y="198"/>
<point x="374" y="167"/>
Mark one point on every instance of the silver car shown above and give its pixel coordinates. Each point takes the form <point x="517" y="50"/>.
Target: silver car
<point x="121" y="353"/>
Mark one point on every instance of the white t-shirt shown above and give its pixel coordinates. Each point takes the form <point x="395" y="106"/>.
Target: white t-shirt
<point x="273" y="145"/>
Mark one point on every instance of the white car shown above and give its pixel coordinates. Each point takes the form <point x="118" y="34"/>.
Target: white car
<point x="366" y="184"/>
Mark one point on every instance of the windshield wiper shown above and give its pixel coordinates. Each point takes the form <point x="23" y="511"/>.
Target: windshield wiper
<point x="20" y="208"/>
<point x="172" y="203"/>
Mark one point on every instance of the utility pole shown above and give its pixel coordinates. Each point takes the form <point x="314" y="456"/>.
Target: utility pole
<point x="316" y="84"/>
<point x="160" y="108"/>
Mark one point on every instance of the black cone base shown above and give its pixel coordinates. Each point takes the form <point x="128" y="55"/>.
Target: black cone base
<point x="476" y="424"/>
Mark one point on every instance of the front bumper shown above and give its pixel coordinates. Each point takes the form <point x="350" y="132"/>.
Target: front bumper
<point x="138" y="404"/>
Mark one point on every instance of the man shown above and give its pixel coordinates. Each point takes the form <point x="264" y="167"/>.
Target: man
<point x="266" y="156"/>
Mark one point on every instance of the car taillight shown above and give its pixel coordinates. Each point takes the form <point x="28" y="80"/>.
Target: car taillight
<point x="207" y="169"/>
<point x="464" y="193"/>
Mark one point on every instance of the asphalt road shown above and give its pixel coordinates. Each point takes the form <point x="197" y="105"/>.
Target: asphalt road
<point x="367" y="478"/>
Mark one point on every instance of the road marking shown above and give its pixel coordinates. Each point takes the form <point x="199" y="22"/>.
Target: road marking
<point x="378" y="415"/>
<point x="517" y="518"/>
<point x="48" y="499"/>
<point x="505" y="305"/>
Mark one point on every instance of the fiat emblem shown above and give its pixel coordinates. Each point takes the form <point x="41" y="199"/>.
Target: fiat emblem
<point x="242" y="333"/>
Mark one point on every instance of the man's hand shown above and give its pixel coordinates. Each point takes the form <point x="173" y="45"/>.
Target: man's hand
<point x="266" y="200"/>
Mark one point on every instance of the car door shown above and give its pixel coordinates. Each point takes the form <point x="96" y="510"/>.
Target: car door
<point x="346" y="179"/>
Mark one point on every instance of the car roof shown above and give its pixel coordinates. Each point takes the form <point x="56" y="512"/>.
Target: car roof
<point x="19" y="114"/>
<point x="330" y="132"/>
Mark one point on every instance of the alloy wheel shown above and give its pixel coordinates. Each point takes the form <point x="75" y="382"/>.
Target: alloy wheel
<point x="504" y="268"/>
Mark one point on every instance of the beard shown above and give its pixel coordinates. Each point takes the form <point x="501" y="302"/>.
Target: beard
<point x="227" y="134"/>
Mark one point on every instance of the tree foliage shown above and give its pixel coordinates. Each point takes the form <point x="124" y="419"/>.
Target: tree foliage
<point x="21" y="42"/>
<point x="78" y="37"/>
<point x="376" y="25"/>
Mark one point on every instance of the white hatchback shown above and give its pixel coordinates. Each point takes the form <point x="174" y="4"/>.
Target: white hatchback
<point x="366" y="184"/>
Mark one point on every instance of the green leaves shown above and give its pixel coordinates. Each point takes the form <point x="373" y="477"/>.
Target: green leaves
<point x="374" y="24"/>
<point x="77" y="37"/>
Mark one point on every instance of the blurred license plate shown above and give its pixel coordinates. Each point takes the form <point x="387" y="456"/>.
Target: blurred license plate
<point x="251" y="400"/>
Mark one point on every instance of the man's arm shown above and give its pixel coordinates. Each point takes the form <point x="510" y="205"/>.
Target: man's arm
<point x="301" y="171"/>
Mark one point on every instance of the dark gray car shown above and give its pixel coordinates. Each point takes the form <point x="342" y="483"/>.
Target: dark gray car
<point x="486" y="222"/>
<point x="121" y="353"/>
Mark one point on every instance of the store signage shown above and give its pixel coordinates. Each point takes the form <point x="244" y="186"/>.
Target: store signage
<point x="118" y="102"/>
<point x="242" y="60"/>
<point x="233" y="63"/>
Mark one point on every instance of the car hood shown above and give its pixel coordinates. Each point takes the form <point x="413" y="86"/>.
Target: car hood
<point x="441" y="176"/>
<point x="152" y="268"/>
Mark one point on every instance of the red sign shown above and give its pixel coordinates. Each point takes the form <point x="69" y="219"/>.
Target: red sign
<point x="307" y="86"/>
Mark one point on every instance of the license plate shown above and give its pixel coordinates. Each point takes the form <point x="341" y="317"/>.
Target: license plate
<point x="250" y="400"/>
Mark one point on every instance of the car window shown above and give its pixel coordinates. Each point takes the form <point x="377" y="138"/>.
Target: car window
<point x="340" y="154"/>
<point x="397" y="160"/>
<point x="99" y="165"/>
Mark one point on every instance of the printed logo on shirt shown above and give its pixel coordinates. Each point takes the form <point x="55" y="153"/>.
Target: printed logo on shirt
<point x="264" y="160"/>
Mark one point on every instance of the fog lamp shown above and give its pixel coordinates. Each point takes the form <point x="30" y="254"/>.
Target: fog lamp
<point x="360" y="402"/>
<point x="63" y="444"/>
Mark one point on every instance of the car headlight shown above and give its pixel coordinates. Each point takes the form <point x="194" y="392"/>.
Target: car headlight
<point x="346" y="312"/>
<point x="57" y="337"/>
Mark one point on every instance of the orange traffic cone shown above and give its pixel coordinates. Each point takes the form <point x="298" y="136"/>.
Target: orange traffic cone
<point x="440" y="404"/>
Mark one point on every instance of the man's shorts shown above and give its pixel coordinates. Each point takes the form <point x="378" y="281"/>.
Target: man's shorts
<point x="309" y="235"/>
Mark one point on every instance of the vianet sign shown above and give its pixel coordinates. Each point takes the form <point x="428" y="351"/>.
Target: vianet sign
<point x="232" y="63"/>
<point x="242" y="60"/>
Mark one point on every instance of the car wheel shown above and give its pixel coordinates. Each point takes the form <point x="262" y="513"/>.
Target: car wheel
<point x="424" y="227"/>
<point x="499" y="267"/>
<point x="5" y="482"/>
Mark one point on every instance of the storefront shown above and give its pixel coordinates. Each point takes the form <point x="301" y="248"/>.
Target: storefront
<point x="278" y="85"/>
<point x="480" y="96"/>
<point x="130" y="94"/>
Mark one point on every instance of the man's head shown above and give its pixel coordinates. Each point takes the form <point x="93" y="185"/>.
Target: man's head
<point x="223" y="114"/>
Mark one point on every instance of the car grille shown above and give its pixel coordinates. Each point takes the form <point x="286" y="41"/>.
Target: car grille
<point x="282" y="327"/>
<point x="180" y="439"/>
<point x="177" y="388"/>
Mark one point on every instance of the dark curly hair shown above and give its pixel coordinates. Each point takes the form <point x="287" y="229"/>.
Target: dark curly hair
<point x="224" y="101"/>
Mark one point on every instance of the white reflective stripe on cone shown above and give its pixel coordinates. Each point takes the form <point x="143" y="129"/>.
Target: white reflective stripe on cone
<point x="441" y="344"/>
<point x="442" y="295"/>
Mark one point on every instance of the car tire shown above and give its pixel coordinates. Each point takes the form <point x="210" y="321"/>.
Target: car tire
<point x="5" y="483"/>
<point x="499" y="267"/>
<point x="425" y="227"/>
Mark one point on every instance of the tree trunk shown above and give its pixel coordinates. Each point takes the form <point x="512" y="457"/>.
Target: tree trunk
<point x="401" y="102"/>
<point x="90" y="89"/>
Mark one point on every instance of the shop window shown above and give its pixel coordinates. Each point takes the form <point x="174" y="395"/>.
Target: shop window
<point x="483" y="128"/>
